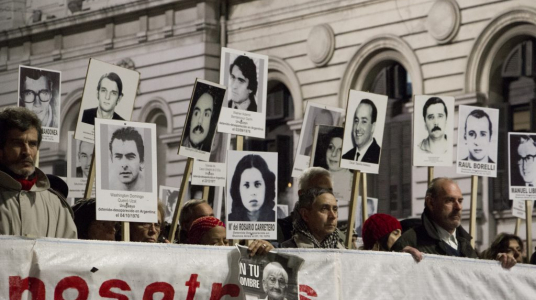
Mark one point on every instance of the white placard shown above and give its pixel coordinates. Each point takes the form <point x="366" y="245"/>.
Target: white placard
<point x="433" y="128"/>
<point x="109" y="93"/>
<point x="126" y="171"/>
<point x="282" y="211"/>
<point x="519" y="209"/>
<point x="478" y="130"/>
<point x="363" y="131"/>
<point x="244" y="109"/>
<point x="203" y="114"/>
<point x="521" y="165"/>
<point x="372" y="208"/>
<point x="315" y="114"/>
<point x="79" y="155"/>
<point x="40" y="92"/>
<point x="169" y="196"/>
<point x="251" y="195"/>
<point x="208" y="173"/>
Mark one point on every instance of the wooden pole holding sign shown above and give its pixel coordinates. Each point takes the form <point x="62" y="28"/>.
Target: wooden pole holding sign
<point x="364" y="202"/>
<point x="239" y="147"/>
<point x="430" y="175"/>
<point x="528" y="211"/>
<point x="206" y="191"/>
<point x="37" y="159"/>
<point x="182" y="194"/>
<point x="518" y="225"/>
<point x="351" y="211"/>
<point x="472" y="219"/>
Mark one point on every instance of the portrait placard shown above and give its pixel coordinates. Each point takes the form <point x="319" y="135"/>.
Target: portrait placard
<point x="40" y="92"/>
<point x="433" y="128"/>
<point x="208" y="173"/>
<point x="363" y="131"/>
<point x="521" y="165"/>
<point x="372" y="208"/>
<point x="109" y="93"/>
<point x="79" y="155"/>
<point x="126" y="171"/>
<point x="251" y="195"/>
<point x="478" y="130"/>
<point x="244" y="110"/>
<point x="270" y="276"/>
<point x="203" y="114"/>
<point x="169" y="196"/>
<point x="519" y="209"/>
<point x="315" y="114"/>
<point x="327" y="153"/>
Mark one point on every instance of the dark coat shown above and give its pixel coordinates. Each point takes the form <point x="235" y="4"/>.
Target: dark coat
<point x="426" y="239"/>
<point x="251" y="107"/>
<point x="90" y="114"/>
<point x="371" y="156"/>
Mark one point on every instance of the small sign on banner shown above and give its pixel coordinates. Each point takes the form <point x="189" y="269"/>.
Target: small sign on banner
<point x="208" y="173"/>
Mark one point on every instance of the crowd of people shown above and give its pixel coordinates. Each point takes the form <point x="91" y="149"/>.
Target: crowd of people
<point x="31" y="207"/>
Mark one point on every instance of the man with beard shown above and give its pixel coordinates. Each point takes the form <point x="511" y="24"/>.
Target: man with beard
<point x="435" y="118"/>
<point x="200" y="122"/>
<point x="28" y="206"/>
<point x="441" y="231"/>
<point x="274" y="281"/>
<point x="366" y="149"/>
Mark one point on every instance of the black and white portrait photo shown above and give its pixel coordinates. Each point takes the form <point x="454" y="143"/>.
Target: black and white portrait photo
<point x="433" y="127"/>
<point x="109" y="93"/>
<point x="40" y="92"/>
<point x="522" y="168"/>
<point x="251" y="187"/>
<point x="245" y="76"/>
<point x="169" y="196"/>
<point x="126" y="167"/>
<point x="477" y="141"/>
<point x="363" y="131"/>
<point x="203" y="114"/>
<point x="80" y="157"/>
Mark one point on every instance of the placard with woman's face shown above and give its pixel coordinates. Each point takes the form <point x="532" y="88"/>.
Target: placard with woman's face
<point x="251" y="195"/>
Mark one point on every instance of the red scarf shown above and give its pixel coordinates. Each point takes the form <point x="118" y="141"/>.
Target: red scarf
<point x="27" y="183"/>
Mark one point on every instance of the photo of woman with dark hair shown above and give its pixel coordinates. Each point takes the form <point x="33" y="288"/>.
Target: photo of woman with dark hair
<point x="252" y="191"/>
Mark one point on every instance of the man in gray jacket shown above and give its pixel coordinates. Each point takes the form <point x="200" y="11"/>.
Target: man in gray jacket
<point x="28" y="207"/>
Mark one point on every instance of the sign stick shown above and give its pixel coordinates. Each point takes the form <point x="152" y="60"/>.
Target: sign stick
<point x="472" y="220"/>
<point x="240" y="147"/>
<point x="182" y="194"/>
<point x="518" y="225"/>
<point x="206" y="190"/>
<point x="364" y="202"/>
<point x="528" y="211"/>
<point x="37" y="159"/>
<point x="430" y="175"/>
<point x="351" y="211"/>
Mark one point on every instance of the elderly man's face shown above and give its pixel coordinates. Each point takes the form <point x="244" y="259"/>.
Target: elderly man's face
<point x="201" y="116"/>
<point x="18" y="154"/>
<point x="527" y="167"/>
<point x="146" y="232"/>
<point x="126" y="161"/>
<point x="37" y="96"/>
<point x="239" y="85"/>
<point x="363" y="127"/>
<point x="321" y="218"/>
<point x="446" y="208"/>
<point x="477" y="137"/>
<point x="85" y="154"/>
<point x="435" y="120"/>
<point x="108" y="95"/>
<point x="275" y="284"/>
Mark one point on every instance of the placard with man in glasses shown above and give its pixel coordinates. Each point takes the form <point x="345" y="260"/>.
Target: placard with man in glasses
<point x="522" y="165"/>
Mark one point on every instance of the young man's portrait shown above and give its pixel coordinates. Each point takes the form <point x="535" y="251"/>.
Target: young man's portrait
<point x="127" y="154"/>
<point x="109" y="92"/>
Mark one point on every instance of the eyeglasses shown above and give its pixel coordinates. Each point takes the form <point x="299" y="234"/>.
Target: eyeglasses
<point x="527" y="159"/>
<point x="157" y="226"/>
<point x="29" y="96"/>
<point x="272" y="280"/>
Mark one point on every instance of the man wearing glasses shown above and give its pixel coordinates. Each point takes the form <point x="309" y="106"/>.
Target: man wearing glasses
<point x="526" y="152"/>
<point x="39" y="93"/>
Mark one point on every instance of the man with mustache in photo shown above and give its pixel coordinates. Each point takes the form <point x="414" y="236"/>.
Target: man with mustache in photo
<point x="435" y="118"/>
<point x="200" y="122"/>
<point x="366" y="149"/>
<point x="29" y="207"/>
<point x="127" y="159"/>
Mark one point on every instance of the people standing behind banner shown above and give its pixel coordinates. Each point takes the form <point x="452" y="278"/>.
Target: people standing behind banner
<point x="507" y="243"/>
<point x="524" y="157"/>
<point x="435" y="116"/>
<point x="243" y="84"/>
<point x="127" y="154"/>
<point x="191" y="211"/>
<point x="85" y="156"/>
<point x="39" y="93"/>
<point x="109" y="93"/>
<point x="211" y="231"/>
<point x="315" y="224"/>
<point x="275" y="281"/>
<point x="89" y="228"/>
<point x="28" y="207"/>
<point x="366" y="149"/>
<point x="441" y="231"/>
<point x="477" y="136"/>
<point x="148" y="232"/>
<point x="252" y="191"/>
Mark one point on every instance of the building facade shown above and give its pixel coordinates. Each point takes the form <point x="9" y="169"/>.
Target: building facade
<point x="479" y="51"/>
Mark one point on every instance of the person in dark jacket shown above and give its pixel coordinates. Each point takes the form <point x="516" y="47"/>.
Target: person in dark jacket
<point x="441" y="231"/>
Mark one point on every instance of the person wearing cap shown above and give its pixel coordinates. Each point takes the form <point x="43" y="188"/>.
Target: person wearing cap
<point x="89" y="228"/>
<point x="211" y="231"/>
<point x="28" y="205"/>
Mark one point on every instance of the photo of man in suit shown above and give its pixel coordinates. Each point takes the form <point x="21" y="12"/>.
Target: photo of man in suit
<point x="85" y="155"/>
<point x="435" y="116"/>
<point x="243" y="84"/>
<point x="109" y="93"/>
<point x="39" y="92"/>
<point x="522" y="156"/>
<point x="477" y="136"/>
<point x="365" y="149"/>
